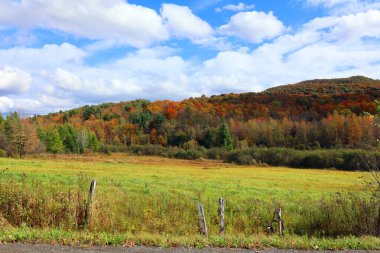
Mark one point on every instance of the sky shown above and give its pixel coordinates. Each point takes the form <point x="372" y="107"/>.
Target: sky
<point x="61" y="54"/>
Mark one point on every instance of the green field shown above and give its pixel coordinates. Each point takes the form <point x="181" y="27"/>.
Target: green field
<point x="158" y="196"/>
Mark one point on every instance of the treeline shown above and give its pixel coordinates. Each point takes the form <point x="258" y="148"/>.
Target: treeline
<point x="312" y="114"/>
<point x="193" y="128"/>
<point x="319" y="114"/>
<point x="342" y="159"/>
<point x="189" y="130"/>
<point x="19" y="137"/>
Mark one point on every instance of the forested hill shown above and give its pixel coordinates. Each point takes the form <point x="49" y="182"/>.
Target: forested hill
<point x="307" y="100"/>
<point x="338" y="86"/>
<point x="326" y="113"/>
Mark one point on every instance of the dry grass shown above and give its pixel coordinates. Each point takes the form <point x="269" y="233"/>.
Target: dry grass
<point x="156" y="195"/>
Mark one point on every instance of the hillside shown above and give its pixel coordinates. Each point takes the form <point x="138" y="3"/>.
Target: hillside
<point x="338" y="86"/>
<point x="326" y="113"/>
<point x="307" y="100"/>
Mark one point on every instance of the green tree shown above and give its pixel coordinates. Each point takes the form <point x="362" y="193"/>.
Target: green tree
<point x="87" y="141"/>
<point x="224" y="138"/>
<point x="69" y="138"/>
<point x="91" y="110"/>
<point x="16" y="135"/>
<point x="93" y="143"/>
<point x="53" y="141"/>
<point x="140" y="118"/>
<point x="209" y="139"/>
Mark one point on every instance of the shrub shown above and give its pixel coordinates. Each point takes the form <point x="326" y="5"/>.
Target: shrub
<point x="350" y="160"/>
<point x="190" y="154"/>
<point x="150" y="150"/>
<point x="104" y="149"/>
<point x="217" y="153"/>
<point x="339" y="215"/>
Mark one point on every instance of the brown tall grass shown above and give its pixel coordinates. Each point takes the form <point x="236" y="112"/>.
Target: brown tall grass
<point x="33" y="202"/>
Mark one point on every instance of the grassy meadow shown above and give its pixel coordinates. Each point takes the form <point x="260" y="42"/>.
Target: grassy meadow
<point x="139" y="196"/>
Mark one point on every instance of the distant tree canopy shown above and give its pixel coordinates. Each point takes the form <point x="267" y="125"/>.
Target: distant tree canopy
<point x="309" y="115"/>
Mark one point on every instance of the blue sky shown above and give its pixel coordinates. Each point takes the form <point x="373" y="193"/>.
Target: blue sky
<point x="61" y="54"/>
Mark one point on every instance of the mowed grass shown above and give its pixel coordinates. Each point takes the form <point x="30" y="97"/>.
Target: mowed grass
<point x="140" y="195"/>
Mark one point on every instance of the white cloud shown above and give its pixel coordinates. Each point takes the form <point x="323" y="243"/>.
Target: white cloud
<point x="341" y="7"/>
<point x="39" y="59"/>
<point x="147" y="73"/>
<point x="348" y="28"/>
<point x="25" y="107"/>
<point x="14" y="81"/>
<point x="328" y="3"/>
<point x="236" y="7"/>
<point x="253" y="26"/>
<point x="95" y="19"/>
<point x="113" y="21"/>
<point x="324" y="47"/>
<point x="66" y="80"/>
<point x="182" y="23"/>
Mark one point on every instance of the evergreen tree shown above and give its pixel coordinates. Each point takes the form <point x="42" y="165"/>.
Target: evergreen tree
<point x="224" y="138"/>
<point x="53" y="141"/>
<point x="209" y="139"/>
<point x="16" y="135"/>
<point x="69" y="138"/>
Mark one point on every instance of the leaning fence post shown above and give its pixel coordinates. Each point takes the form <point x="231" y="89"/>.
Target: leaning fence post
<point x="89" y="201"/>
<point x="221" y="214"/>
<point x="202" y="220"/>
<point x="281" y="227"/>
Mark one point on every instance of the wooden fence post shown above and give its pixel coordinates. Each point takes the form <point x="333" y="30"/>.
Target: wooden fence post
<point x="221" y="214"/>
<point x="281" y="227"/>
<point x="202" y="220"/>
<point x="89" y="202"/>
<point x="280" y="222"/>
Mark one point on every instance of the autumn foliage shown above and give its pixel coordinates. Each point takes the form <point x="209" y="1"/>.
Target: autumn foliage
<point x="327" y="113"/>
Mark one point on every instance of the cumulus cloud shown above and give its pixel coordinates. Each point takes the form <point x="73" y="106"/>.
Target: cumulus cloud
<point x="253" y="26"/>
<point x="182" y="23"/>
<point x="25" y="107"/>
<point x="95" y="19"/>
<point x="328" y="3"/>
<point x="325" y="47"/>
<point x="235" y="7"/>
<point x="44" y="58"/>
<point x="14" y="81"/>
<point x="341" y="7"/>
<point x="348" y="28"/>
<point x="335" y="46"/>
<point x="147" y="73"/>
<point x="115" y="21"/>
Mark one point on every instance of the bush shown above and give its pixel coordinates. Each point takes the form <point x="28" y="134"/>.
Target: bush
<point x="217" y="153"/>
<point x="345" y="159"/>
<point x="190" y="154"/>
<point x="339" y="215"/>
<point x="150" y="150"/>
<point x="104" y="149"/>
<point x="246" y="159"/>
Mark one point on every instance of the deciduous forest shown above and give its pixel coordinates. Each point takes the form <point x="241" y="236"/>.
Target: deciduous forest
<point x="311" y="115"/>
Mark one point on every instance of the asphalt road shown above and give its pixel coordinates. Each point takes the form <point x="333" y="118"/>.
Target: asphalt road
<point x="37" y="248"/>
